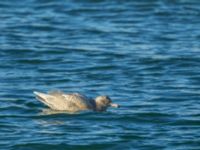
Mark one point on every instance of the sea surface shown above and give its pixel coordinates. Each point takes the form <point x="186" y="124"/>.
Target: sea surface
<point x="144" y="54"/>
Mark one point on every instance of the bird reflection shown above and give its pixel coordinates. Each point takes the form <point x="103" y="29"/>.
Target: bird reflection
<point x="53" y="112"/>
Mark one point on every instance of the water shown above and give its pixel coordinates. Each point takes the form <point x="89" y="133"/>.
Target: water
<point x="144" y="54"/>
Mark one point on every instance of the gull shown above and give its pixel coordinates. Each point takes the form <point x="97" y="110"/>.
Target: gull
<point x="74" y="102"/>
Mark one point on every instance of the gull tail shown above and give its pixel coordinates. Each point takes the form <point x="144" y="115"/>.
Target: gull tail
<point x="44" y="98"/>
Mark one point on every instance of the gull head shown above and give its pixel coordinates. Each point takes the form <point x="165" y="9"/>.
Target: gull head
<point x="103" y="102"/>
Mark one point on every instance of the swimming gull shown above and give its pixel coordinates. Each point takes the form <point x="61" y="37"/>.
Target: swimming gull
<point x="74" y="102"/>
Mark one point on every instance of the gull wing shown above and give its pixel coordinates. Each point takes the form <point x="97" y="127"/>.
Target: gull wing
<point x="59" y="101"/>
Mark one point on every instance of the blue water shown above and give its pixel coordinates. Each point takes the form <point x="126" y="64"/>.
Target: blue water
<point x="144" y="54"/>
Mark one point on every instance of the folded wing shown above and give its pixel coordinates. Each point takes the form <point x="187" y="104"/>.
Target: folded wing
<point x="59" y="101"/>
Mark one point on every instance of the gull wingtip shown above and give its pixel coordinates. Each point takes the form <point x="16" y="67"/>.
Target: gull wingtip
<point x="35" y="92"/>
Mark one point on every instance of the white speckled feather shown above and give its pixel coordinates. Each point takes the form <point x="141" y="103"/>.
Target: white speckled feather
<point x="61" y="101"/>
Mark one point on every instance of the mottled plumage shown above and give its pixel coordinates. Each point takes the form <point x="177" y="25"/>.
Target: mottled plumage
<point x="74" y="102"/>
